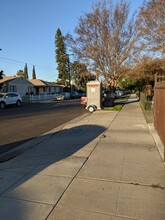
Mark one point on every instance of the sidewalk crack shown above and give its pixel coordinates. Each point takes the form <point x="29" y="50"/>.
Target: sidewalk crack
<point x="158" y="186"/>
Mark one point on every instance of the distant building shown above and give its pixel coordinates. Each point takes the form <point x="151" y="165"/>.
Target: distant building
<point x="16" y="84"/>
<point x="44" y="87"/>
<point x="25" y="87"/>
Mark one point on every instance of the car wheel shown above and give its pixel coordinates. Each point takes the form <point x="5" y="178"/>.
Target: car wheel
<point x="2" y="105"/>
<point x="18" y="103"/>
<point x="91" y="108"/>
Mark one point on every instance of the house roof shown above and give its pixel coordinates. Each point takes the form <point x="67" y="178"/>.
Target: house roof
<point x="37" y="82"/>
<point x="51" y="83"/>
<point x="34" y="82"/>
<point x="7" y="78"/>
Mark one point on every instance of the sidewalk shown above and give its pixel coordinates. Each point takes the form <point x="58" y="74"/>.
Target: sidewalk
<point x="103" y="167"/>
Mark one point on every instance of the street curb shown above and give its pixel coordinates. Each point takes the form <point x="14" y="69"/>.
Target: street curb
<point x="36" y="140"/>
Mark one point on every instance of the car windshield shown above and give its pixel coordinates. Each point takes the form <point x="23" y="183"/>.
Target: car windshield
<point x="1" y="95"/>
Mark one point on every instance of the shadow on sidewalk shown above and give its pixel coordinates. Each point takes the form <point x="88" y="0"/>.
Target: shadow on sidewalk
<point x="125" y="100"/>
<point x="131" y="101"/>
<point x="19" y="175"/>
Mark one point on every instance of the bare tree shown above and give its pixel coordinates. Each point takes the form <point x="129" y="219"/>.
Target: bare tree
<point x="152" y="18"/>
<point x="106" y="39"/>
<point x="20" y="73"/>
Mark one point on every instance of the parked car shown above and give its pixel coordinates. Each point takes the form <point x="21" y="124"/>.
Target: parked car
<point x="82" y="94"/>
<point x="74" y="95"/>
<point x="66" y="95"/>
<point x="10" y="98"/>
<point x="59" y="97"/>
<point x="118" y="93"/>
<point x="126" y="91"/>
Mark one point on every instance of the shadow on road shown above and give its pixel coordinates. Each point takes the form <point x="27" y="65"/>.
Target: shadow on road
<point x="7" y="147"/>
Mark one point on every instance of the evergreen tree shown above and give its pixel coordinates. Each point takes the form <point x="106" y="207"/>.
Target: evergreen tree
<point x="26" y="72"/>
<point x="1" y="74"/>
<point x="61" y="57"/>
<point x="33" y="73"/>
<point x="1" y="77"/>
<point x="80" y="75"/>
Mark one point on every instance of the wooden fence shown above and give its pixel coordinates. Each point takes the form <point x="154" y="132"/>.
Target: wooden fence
<point x="159" y="107"/>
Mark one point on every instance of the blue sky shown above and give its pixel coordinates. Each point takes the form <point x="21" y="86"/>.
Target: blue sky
<point x="27" y="32"/>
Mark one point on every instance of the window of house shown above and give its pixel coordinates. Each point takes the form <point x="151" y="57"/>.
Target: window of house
<point x="12" y="88"/>
<point x="30" y="89"/>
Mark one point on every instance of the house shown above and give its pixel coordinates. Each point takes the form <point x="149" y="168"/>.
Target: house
<point x="24" y="86"/>
<point x="44" y="87"/>
<point x="16" y="84"/>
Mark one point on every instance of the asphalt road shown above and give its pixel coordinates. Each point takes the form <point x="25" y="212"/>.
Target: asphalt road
<point x="18" y="125"/>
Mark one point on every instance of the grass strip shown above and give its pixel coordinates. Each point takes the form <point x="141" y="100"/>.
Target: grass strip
<point x="116" y="107"/>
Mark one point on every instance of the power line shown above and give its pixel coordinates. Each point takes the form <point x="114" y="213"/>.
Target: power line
<point x="16" y="61"/>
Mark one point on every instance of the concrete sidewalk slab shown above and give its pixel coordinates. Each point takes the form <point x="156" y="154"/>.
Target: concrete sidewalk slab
<point x="66" y="168"/>
<point x="22" y="210"/>
<point x="144" y="175"/>
<point x="104" y="163"/>
<point x="92" y="195"/>
<point x="77" y="214"/>
<point x="43" y="189"/>
<point x="141" y="202"/>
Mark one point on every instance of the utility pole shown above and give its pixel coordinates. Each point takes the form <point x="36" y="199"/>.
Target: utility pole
<point x="1" y="72"/>
<point x="69" y="71"/>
